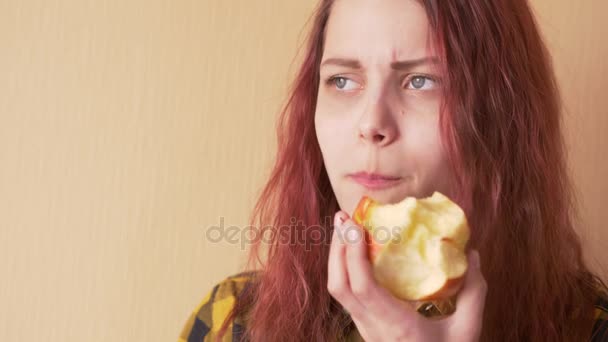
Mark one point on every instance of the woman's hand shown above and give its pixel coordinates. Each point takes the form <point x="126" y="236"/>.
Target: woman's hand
<point x="378" y="315"/>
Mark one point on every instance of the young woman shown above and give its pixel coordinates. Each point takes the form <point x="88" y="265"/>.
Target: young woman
<point x="399" y="98"/>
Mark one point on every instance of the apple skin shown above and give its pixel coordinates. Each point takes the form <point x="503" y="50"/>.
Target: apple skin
<point x="364" y="208"/>
<point x="359" y="215"/>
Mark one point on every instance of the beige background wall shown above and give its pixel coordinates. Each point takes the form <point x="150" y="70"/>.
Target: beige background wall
<point x="127" y="128"/>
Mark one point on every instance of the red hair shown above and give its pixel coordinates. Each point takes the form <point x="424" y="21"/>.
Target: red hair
<point x="501" y="125"/>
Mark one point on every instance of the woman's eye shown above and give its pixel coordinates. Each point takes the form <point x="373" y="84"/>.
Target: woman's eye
<point x="342" y="83"/>
<point x="421" y="83"/>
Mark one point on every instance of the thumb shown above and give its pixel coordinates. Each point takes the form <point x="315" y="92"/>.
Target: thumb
<point x="471" y="299"/>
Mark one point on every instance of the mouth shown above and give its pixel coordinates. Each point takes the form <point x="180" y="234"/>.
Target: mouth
<point x="375" y="181"/>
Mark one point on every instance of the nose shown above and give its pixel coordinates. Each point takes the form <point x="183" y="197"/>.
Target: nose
<point x="377" y="126"/>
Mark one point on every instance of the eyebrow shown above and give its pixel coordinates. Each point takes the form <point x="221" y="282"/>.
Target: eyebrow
<point x="398" y="65"/>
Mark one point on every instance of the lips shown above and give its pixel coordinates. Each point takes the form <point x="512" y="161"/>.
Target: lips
<point x="375" y="181"/>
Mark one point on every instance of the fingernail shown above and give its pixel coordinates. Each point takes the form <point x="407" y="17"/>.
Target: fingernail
<point x="340" y="219"/>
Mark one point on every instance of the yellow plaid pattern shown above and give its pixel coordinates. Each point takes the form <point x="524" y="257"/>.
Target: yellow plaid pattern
<point x="600" y="327"/>
<point x="204" y="322"/>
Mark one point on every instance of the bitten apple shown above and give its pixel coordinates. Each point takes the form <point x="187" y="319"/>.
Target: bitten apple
<point x="416" y="246"/>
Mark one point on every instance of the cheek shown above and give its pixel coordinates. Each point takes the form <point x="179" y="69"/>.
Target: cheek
<point x="433" y="169"/>
<point x="426" y="154"/>
<point x="332" y="132"/>
<point x="333" y="140"/>
<point x="332" y="143"/>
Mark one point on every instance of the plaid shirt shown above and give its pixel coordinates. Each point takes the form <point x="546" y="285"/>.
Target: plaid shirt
<point x="204" y="323"/>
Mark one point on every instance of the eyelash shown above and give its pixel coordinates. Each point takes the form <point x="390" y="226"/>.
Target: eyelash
<point x="330" y="81"/>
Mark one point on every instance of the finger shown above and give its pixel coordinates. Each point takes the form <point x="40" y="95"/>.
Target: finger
<point x="357" y="261"/>
<point x="377" y="300"/>
<point x="471" y="300"/>
<point x="338" y="283"/>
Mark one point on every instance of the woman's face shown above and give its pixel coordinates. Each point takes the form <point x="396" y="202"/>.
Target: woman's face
<point x="378" y="103"/>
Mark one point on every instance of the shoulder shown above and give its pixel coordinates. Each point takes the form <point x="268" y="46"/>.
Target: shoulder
<point x="600" y="327"/>
<point x="207" y="318"/>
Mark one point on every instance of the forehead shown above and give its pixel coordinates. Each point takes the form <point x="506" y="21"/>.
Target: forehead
<point x="377" y="31"/>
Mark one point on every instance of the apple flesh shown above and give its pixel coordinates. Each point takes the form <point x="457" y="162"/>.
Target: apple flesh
<point x="416" y="246"/>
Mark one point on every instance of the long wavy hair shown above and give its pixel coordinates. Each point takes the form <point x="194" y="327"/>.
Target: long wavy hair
<point x="501" y="125"/>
